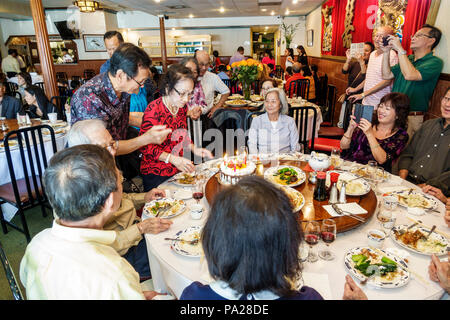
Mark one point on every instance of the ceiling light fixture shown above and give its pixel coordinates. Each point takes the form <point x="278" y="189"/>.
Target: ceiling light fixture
<point x="287" y="12"/>
<point x="294" y="1"/>
<point x="272" y="13"/>
<point x="222" y="9"/>
<point x="191" y="16"/>
<point x="87" y="6"/>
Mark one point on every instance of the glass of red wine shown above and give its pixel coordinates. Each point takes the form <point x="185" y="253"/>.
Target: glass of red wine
<point x="328" y="234"/>
<point x="197" y="191"/>
<point x="312" y="236"/>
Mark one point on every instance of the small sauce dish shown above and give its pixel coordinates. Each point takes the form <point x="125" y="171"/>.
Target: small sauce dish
<point x="376" y="238"/>
<point x="196" y="211"/>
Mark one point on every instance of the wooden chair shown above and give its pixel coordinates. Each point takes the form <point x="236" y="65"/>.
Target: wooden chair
<point x="10" y="277"/>
<point x="330" y="105"/>
<point x="59" y="102"/>
<point x="321" y="91"/>
<point x="300" y="88"/>
<point x="40" y="85"/>
<point x="301" y="115"/>
<point x="61" y="75"/>
<point x="256" y="87"/>
<point x="27" y="192"/>
<point x="232" y="85"/>
<point x="88" y="74"/>
<point x="11" y="88"/>
<point x="279" y="71"/>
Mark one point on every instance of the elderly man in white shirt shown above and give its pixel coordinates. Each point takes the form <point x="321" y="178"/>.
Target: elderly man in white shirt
<point x="74" y="259"/>
<point x="211" y="83"/>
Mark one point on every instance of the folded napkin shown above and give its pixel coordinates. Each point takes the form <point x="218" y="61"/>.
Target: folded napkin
<point x="317" y="281"/>
<point x="351" y="207"/>
<point x="388" y="189"/>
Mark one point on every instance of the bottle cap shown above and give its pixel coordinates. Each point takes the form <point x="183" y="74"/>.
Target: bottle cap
<point x="334" y="177"/>
<point x="321" y="175"/>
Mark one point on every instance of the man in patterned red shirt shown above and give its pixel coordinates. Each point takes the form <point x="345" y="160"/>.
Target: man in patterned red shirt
<point x="107" y="97"/>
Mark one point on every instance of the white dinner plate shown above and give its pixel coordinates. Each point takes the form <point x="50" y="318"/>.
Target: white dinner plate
<point x="270" y="175"/>
<point x="362" y="185"/>
<point x="186" y="249"/>
<point x="431" y="246"/>
<point x="179" y="206"/>
<point x="431" y="202"/>
<point x="296" y="197"/>
<point x="400" y="280"/>
<point x="176" y="179"/>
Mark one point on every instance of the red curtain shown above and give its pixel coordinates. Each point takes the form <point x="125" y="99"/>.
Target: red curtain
<point x="415" y="17"/>
<point x="364" y="17"/>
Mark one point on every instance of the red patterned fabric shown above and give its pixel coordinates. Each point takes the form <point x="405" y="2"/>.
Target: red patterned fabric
<point x="364" y="18"/>
<point x="158" y="114"/>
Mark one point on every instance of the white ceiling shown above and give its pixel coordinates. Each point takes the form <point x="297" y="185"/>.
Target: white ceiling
<point x="201" y="8"/>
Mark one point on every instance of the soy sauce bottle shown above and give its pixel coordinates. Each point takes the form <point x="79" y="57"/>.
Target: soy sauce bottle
<point x="320" y="191"/>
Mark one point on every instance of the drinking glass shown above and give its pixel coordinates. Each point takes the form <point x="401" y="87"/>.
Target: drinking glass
<point x="386" y="215"/>
<point x="377" y="179"/>
<point x="335" y="157"/>
<point x="328" y="234"/>
<point x="312" y="236"/>
<point x="198" y="190"/>
<point x="372" y="167"/>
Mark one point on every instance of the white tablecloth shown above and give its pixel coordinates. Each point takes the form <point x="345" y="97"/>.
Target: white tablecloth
<point x="8" y="210"/>
<point x="319" y="119"/>
<point x="172" y="272"/>
<point x="34" y="79"/>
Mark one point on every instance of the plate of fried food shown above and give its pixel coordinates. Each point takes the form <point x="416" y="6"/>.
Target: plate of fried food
<point x="58" y="132"/>
<point x="13" y="144"/>
<point x="295" y="197"/>
<point x="235" y="97"/>
<point x="415" y="199"/>
<point x="165" y="208"/>
<point x="364" y="172"/>
<point x="256" y="98"/>
<point x="237" y="103"/>
<point x="185" y="179"/>
<point x="379" y="268"/>
<point x="416" y="239"/>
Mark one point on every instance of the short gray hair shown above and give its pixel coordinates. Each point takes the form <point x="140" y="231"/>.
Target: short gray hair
<point x="79" y="180"/>
<point x="282" y="97"/>
<point x="79" y="132"/>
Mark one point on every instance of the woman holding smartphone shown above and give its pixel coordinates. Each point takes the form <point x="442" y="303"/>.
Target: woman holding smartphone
<point x="382" y="140"/>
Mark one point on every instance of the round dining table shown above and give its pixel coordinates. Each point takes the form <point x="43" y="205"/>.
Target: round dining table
<point x="172" y="272"/>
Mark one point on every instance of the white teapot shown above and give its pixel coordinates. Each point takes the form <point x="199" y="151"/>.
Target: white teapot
<point x="319" y="161"/>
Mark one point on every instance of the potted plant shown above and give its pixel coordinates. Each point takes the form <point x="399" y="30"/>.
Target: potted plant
<point x="288" y="32"/>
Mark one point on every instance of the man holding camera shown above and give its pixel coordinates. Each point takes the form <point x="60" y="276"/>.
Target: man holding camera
<point x="415" y="75"/>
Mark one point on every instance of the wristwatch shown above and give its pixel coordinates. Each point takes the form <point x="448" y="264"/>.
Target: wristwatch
<point x="363" y="95"/>
<point x="402" y="52"/>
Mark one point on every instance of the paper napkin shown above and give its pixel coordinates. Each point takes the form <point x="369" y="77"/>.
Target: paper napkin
<point x="351" y="207"/>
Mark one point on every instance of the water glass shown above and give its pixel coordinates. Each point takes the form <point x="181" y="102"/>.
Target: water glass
<point x="335" y="157"/>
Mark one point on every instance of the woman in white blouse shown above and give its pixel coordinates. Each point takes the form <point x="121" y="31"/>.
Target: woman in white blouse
<point x="273" y="131"/>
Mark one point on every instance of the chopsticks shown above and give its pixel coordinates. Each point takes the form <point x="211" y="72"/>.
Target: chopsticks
<point x="437" y="231"/>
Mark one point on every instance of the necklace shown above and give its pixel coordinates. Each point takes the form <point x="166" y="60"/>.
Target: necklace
<point x="169" y="107"/>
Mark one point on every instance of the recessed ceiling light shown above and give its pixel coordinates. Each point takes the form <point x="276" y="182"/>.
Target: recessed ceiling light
<point x="173" y="29"/>
<point x="264" y="10"/>
<point x="294" y="1"/>
<point x="287" y="12"/>
<point x="157" y="1"/>
<point x="272" y="13"/>
<point x="191" y="15"/>
<point x="222" y="9"/>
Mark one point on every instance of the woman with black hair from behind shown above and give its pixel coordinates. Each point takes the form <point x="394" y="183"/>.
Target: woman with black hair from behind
<point x="251" y="245"/>
<point x="38" y="105"/>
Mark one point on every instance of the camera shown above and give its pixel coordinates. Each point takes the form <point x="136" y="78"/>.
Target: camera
<point x="385" y="41"/>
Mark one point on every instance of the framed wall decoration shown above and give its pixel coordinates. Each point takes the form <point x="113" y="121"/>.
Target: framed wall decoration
<point x="310" y="38"/>
<point x="94" y="43"/>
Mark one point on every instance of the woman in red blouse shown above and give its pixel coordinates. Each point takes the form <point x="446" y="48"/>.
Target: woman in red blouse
<point x="160" y="162"/>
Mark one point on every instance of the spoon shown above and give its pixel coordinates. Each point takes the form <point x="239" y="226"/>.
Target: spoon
<point x="195" y="241"/>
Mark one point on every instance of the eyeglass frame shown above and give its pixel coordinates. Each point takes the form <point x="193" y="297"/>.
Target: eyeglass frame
<point x="141" y="85"/>
<point x="421" y="35"/>
<point x="184" y="94"/>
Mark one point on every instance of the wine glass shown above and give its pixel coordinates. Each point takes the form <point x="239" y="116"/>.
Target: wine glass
<point x="328" y="234"/>
<point x="197" y="191"/>
<point x="312" y="235"/>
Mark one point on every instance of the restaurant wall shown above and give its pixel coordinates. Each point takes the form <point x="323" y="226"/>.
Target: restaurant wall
<point x="314" y="22"/>
<point x="300" y="33"/>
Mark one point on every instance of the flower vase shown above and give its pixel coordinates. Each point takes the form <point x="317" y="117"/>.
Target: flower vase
<point x="246" y="90"/>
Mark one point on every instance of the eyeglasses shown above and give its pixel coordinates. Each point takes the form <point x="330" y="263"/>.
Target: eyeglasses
<point x="140" y="84"/>
<point x="417" y="35"/>
<point x="184" y="94"/>
<point x="446" y="99"/>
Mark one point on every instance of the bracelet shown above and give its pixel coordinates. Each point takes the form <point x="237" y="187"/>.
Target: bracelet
<point x="167" y="159"/>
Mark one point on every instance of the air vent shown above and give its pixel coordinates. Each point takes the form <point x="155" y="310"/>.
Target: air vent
<point x="178" y="7"/>
<point x="268" y="3"/>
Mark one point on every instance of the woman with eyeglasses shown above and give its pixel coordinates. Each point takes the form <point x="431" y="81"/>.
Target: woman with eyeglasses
<point x="160" y="162"/>
<point x="382" y="140"/>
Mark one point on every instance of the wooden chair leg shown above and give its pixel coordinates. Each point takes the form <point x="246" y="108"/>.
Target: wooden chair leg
<point x="2" y="219"/>
<point x="44" y="212"/>
<point x="25" y="225"/>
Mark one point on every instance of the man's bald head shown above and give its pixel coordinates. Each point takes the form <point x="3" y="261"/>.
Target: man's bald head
<point x="203" y="61"/>
<point x="296" y="67"/>
<point x="91" y="131"/>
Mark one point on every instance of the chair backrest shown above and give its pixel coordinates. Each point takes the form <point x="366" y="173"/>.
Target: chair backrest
<point x="59" y="102"/>
<point x="79" y="78"/>
<point x="40" y="85"/>
<point x="17" y="95"/>
<point x="63" y="91"/>
<point x="11" y="87"/>
<point x="279" y="71"/>
<point x="321" y="90"/>
<point x="61" y="75"/>
<point x="330" y="102"/>
<point x="33" y="162"/>
<point x="232" y="85"/>
<point x="88" y="74"/>
<point x="250" y="117"/>
<point x="300" y="87"/>
<point x="10" y="277"/>
<point x="301" y="117"/>
<point x="256" y="86"/>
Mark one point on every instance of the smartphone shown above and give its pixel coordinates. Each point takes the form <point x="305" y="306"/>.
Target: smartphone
<point x="363" y="111"/>
<point x="385" y="41"/>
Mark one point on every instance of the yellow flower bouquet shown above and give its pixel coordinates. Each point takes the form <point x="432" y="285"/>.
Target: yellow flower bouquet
<point x="246" y="72"/>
